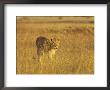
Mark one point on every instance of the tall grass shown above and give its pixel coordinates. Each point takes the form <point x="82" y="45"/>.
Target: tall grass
<point x="74" y="56"/>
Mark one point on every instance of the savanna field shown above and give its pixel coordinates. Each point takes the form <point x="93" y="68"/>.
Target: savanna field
<point x="75" y="54"/>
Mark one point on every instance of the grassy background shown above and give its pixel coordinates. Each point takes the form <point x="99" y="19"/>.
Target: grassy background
<point x="75" y="54"/>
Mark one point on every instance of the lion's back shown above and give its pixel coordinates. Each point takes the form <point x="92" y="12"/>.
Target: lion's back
<point x="43" y="42"/>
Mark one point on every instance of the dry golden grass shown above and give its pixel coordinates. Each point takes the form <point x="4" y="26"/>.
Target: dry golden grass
<point x="75" y="54"/>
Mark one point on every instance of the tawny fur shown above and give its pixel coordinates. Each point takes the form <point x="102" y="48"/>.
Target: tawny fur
<point x="45" y="45"/>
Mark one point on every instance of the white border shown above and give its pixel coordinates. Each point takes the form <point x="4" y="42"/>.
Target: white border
<point x="100" y="76"/>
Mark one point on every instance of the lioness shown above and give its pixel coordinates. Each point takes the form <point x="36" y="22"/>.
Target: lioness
<point x="45" y="45"/>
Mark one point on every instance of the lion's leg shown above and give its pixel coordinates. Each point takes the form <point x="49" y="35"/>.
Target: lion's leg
<point x="39" y="54"/>
<point x="52" y="54"/>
